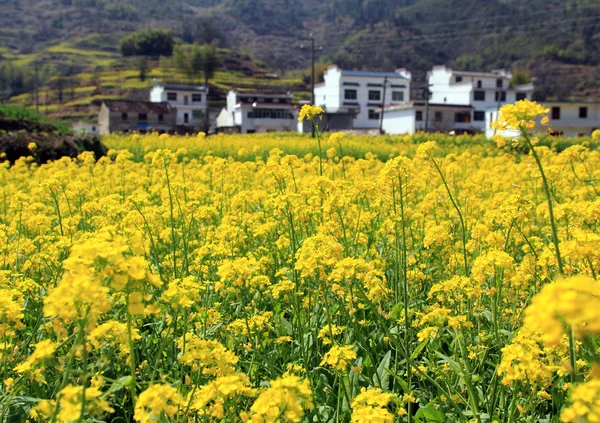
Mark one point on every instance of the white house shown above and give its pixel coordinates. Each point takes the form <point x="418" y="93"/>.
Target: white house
<point x="567" y="118"/>
<point x="257" y="113"/>
<point x="360" y="94"/>
<point x="189" y="100"/>
<point x="479" y="90"/>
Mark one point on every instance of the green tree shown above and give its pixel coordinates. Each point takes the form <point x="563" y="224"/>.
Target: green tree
<point x="196" y="62"/>
<point x="143" y="68"/>
<point x="148" y="42"/>
<point x="211" y="62"/>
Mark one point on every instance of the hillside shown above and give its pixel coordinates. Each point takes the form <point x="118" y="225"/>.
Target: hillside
<point x="557" y="41"/>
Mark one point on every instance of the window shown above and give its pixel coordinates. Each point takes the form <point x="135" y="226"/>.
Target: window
<point x="459" y="79"/>
<point x="196" y="98"/>
<point x="161" y="117"/>
<point x="555" y="113"/>
<point x="479" y="95"/>
<point x="419" y="116"/>
<point x="500" y="95"/>
<point x="123" y="116"/>
<point x="438" y="116"/>
<point x="397" y="95"/>
<point x="499" y="83"/>
<point x="373" y="115"/>
<point x="350" y="95"/>
<point x="375" y="95"/>
<point x="583" y="112"/>
<point x="270" y="114"/>
<point x="478" y="116"/>
<point x="479" y="84"/>
<point x="172" y="96"/>
<point x="142" y="117"/>
<point x="462" y="117"/>
<point x="186" y="118"/>
<point x="521" y="96"/>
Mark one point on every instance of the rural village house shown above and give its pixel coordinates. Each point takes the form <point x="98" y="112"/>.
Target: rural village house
<point x="257" y="112"/>
<point x="353" y="97"/>
<point x="138" y="116"/>
<point x="190" y="101"/>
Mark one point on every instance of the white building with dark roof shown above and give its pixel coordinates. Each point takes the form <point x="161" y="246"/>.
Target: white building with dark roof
<point x="361" y="94"/>
<point x="189" y="100"/>
<point x="479" y="90"/>
<point x="257" y="112"/>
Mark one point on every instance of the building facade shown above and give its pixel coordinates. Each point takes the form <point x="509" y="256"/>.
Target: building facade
<point x="479" y="90"/>
<point x="135" y="116"/>
<point x="361" y="94"/>
<point x="249" y="113"/>
<point x="189" y="100"/>
<point x="567" y="118"/>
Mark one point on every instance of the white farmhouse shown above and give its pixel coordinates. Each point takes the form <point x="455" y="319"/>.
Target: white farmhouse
<point x="189" y="100"/>
<point x="360" y="94"/>
<point x="567" y="118"/>
<point x="249" y="113"/>
<point x="478" y="90"/>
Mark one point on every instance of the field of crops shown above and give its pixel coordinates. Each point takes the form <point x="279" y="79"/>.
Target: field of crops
<point x="212" y="280"/>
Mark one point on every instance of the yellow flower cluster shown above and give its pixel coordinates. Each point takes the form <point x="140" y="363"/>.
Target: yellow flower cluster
<point x="339" y="357"/>
<point x="370" y="406"/>
<point x="285" y="400"/>
<point x="570" y="303"/>
<point x="520" y="115"/>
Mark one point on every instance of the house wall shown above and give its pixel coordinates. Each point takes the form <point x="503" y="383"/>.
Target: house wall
<point x="447" y="122"/>
<point x="446" y="90"/>
<point x="399" y="121"/>
<point x="112" y="122"/>
<point x="332" y="95"/>
<point x="569" y="124"/>
<point x="159" y="94"/>
<point x="104" y="120"/>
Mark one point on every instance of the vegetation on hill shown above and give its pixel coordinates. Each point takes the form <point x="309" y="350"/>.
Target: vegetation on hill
<point x="557" y="42"/>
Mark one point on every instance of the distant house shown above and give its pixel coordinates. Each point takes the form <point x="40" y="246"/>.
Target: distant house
<point x="135" y="116"/>
<point x="480" y="91"/>
<point x="257" y="112"/>
<point x="567" y="118"/>
<point x="83" y="126"/>
<point x="190" y="102"/>
<point x="358" y="95"/>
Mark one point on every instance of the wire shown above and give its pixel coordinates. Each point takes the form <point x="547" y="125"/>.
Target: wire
<point x="463" y="21"/>
<point x="462" y="34"/>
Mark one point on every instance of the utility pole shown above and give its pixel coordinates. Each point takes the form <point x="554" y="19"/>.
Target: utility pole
<point x="36" y="85"/>
<point x="427" y="94"/>
<point x="312" y="78"/>
<point x="385" y="80"/>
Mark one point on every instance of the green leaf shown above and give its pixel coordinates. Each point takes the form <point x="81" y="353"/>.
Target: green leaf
<point x="418" y="350"/>
<point x="382" y="375"/>
<point x="119" y="384"/>
<point x="431" y="414"/>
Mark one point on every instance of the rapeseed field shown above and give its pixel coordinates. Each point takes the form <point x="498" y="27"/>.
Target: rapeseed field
<point x="405" y="282"/>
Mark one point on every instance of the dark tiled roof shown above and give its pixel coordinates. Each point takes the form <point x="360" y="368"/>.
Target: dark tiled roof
<point x="184" y="87"/>
<point x="126" y="106"/>
<point x="390" y="75"/>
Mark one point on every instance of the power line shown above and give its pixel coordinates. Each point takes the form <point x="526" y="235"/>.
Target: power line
<point x="463" y="21"/>
<point x="393" y="41"/>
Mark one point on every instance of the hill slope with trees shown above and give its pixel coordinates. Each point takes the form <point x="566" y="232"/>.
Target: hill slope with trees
<point x="557" y="41"/>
